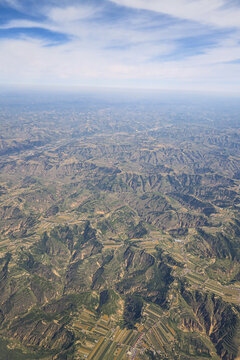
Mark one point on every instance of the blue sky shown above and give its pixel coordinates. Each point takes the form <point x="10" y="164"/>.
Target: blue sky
<point x="158" y="44"/>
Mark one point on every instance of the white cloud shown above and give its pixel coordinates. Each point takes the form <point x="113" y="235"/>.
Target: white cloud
<point x="71" y="13"/>
<point x="214" y="12"/>
<point x="23" y="24"/>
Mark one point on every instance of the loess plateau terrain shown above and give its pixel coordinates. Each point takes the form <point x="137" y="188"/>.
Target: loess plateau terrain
<point x="119" y="228"/>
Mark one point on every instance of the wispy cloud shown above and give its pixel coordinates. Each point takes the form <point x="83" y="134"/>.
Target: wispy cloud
<point x="189" y="44"/>
<point x="71" y="14"/>
<point x="220" y="13"/>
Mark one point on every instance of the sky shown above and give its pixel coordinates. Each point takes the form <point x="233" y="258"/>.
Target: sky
<point x="191" y="45"/>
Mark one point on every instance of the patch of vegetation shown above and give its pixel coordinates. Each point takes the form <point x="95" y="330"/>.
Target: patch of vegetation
<point x="108" y="302"/>
<point x="132" y="311"/>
